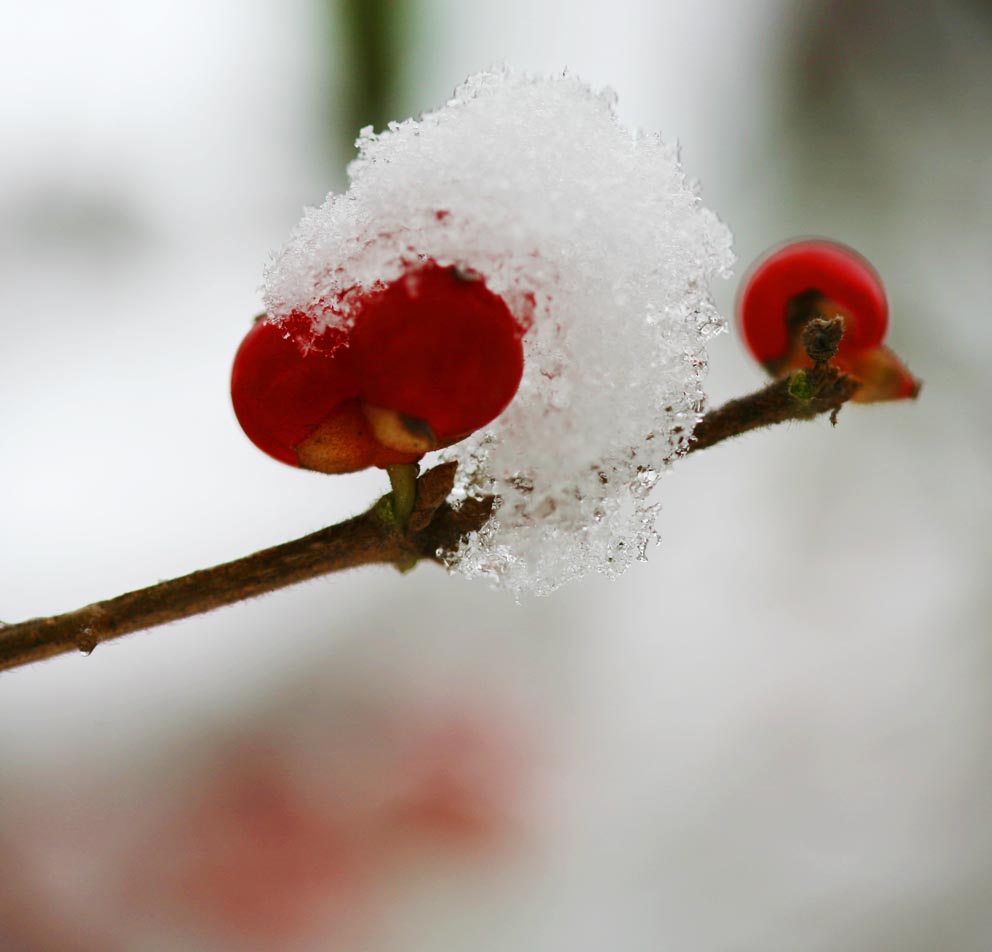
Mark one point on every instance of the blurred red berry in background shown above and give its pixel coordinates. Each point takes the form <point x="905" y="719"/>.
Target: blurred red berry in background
<point x="815" y="277"/>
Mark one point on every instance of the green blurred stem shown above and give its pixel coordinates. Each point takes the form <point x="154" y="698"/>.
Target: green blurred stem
<point x="371" y="39"/>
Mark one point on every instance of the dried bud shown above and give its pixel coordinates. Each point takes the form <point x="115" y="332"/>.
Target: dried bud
<point x="821" y="338"/>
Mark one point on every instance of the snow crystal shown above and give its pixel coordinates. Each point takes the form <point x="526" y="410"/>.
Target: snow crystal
<point x="595" y="234"/>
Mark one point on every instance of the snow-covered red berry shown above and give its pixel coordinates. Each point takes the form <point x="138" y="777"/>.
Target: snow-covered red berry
<point x="815" y="277"/>
<point x="596" y="240"/>
<point x="430" y="358"/>
<point x="437" y="356"/>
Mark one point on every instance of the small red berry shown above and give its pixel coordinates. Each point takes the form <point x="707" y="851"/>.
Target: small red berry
<point x="814" y="277"/>
<point x="438" y="355"/>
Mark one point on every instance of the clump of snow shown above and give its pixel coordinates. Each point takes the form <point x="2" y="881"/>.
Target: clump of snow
<point x="593" y="235"/>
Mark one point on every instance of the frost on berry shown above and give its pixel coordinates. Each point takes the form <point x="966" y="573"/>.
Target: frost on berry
<point x="600" y="249"/>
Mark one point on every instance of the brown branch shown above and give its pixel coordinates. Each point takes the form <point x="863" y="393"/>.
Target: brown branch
<point x="373" y="537"/>
<point x="435" y="527"/>
<point x="802" y="395"/>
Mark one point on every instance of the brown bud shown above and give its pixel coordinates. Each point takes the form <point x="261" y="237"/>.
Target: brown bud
<point x="821" y="337"/>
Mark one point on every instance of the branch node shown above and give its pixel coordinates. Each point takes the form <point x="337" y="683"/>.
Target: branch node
<point x="800" y="387"/>
<point x="432" y="490"/>
<point x="92" y="628"/>
<point x="383" y="511"/>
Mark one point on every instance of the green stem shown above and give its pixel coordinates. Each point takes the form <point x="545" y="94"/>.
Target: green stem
<point x="403" y="479"/>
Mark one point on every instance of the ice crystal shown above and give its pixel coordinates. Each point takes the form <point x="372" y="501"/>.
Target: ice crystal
<point x="597" y="240"/>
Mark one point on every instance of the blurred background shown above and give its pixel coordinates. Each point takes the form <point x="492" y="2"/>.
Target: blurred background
<point x="774" y="735"/>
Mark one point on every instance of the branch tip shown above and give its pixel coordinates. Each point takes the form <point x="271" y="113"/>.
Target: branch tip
<point x="821" y="337"/>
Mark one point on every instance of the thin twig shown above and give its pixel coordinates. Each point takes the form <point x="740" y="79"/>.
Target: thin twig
<point x="370" y="538"/>
<point x="802" y="396"/>
<point x="375" y="537"/>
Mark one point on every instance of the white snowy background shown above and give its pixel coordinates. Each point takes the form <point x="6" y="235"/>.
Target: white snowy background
<point x="775" y="735"/>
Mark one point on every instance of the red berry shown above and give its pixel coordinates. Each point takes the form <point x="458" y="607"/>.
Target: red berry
<point x="432" y="357"/>
<point x="815" y="277"/>
<point x="827" y="275"/>
<point x="299" y="401"/>
<point x="438" y="355"/>
<point x="280" y="392"/>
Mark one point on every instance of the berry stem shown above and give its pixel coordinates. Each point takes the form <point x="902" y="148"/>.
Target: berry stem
<point x="403" y="479"/>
